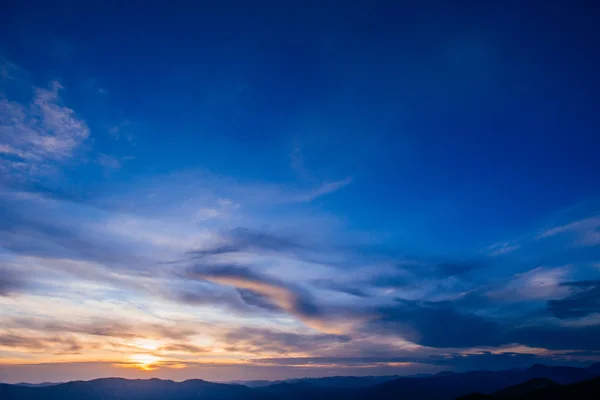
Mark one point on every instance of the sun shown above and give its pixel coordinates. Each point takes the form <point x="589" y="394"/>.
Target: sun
<point x="145" y="362"/>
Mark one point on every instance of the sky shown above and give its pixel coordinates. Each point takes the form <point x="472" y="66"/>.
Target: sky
<point x="263" y="189"/>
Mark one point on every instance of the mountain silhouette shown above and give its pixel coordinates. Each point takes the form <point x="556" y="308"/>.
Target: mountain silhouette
<point x="41" y="384"/>
<point x="329" y="381"/>
<point x="448" y="386"/>
<point x="126" y="389"/>
<point x="543" y="389"/>
<point x="513" y="383"/>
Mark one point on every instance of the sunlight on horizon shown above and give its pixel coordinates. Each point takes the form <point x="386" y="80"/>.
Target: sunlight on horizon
<point x="145" y="362"/>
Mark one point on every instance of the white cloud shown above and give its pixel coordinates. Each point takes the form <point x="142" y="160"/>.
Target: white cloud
<point x="538" y="284"/>
<point x="587" y="231"/>
<point x="38" y="136"/>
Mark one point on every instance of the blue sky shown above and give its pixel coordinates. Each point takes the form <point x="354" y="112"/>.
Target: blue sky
<point x="265" y="190"/>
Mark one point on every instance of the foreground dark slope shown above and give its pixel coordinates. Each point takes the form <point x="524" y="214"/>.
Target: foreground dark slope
<point x="539" y="389"/>
<point x="444" y="386"/>
<point x="448" y="386"/>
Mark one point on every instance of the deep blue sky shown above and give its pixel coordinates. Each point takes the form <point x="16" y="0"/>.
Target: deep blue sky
<point x="421" y="160"/>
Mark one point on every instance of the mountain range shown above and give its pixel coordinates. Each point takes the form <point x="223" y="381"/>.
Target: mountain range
<point x="543" y="389"/>
<point x="530" y="383"/>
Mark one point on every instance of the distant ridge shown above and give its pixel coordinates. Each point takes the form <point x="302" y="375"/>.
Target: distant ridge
<point x="444" y="386"/>
<point x="41" y="384"/>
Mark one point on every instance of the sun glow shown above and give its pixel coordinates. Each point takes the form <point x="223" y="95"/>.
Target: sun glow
<point x="146" y="344"/>
<point x="146" y="362"/>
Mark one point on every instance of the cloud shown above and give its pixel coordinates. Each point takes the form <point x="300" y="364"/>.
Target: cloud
<point x="435" y="324"/>
<point x="121" y="130"/>
<point x="240" y="301"/>
<point x="10" y="282"/>
<point x="255" y="299"/>
<point x="34" y="225"/>
<point x="108" y="162"/>
<point x="322" y="190"/>
<point x="103" y="327"/>
<point x="339" y="287"/>
<point x="585" y="300"/>
<point x="8" y="70"/>
<point x="454" y="360"/>
<point x="55" y="345"/>
<point x="184" y="348"/>
<point x="502" y="248"/>
<point x="450" y="324"/>
<point x="255" y="340"/>
<point x="297" y="163"/>
<point x="504" y="360"/>
<point x="245" y="240"/>
<point x="587" y="231"/>
<point x="556" y="337"/>
<point x="38" y="136"/>
<point x="538" y="283"/>
<point x="290" y="298"/>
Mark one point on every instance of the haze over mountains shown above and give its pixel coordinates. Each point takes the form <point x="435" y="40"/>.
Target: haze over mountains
<point x="537" y="382"/>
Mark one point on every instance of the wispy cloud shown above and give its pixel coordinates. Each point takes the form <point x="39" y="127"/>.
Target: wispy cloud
<point x="108" y="162"/>
<point x="539" y="283"/>
<point x="287" y="297"/>
<point x="38" y="136"/>
<point x="121" y="131"/>
<point x="304" y="174"/>
<point x="501" y="248"/>
<point x="10" y="281"/>
<point x="586" y="231"/>
<point x="323" y="189"/>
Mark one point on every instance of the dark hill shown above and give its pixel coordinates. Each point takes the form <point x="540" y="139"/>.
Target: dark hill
<point x="526" y="387"/>
<point x="445" y="386"/>
<point x="543" y="389"/>
<point x="448" y="386"/>
<point x="126" y="389"/>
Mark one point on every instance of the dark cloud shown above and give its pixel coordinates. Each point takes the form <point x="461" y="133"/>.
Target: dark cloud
<point x="55" y="345"/>
<point x="436" y="325"/>
<point x="301" y="245"/>
<point x="395" y="279"/>
<point x="204" y="293"/>
<point x="503" y="360"/>
<point x="244" y="239"/>
<point x="465" y="322"/>
<point x="446" y="325"/>
<point x="338" y="287"/>
<point x="255" y="299"/>
<point x="585" y="300"/>
<point x="454" y="361"/>
<point x="556" y="337"/>
<point x="412" y="273"/>
<point x="10" y="282"/>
